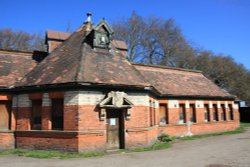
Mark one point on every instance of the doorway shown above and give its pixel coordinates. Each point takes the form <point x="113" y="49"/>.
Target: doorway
<point x="115" y="129"/>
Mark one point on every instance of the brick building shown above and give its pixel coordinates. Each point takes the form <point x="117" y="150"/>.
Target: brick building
<point x="85" y="95"/>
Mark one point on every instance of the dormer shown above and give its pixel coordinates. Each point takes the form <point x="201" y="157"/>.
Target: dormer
<point x="102" y="35"/>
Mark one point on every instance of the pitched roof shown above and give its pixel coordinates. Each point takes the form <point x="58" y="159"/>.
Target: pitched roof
<point x="180" y="82"/>
<point x="62" y="36"/>
<point x="14" y="66"/>
<point x="74" y="61"/>
<point x="120" y="44"/>
<point x="51" y="34"/>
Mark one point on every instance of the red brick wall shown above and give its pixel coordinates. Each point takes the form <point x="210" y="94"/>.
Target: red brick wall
<point x="7" y="140"/>
<point x="23" y="118"/>
<point x="70" y="118"/>
<point x="46" y="118"/>
<point x="47" y="141"/>
<point x="92" y="142"/>
<point x="89" y="118"/>
<point x="139" y="117"/>
<point x="199" y="128"/>
<point x="53" y="45"/>
<point x="173" y="115"/>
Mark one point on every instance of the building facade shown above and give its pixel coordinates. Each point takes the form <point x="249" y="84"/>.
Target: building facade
<point x="86" y="96"/>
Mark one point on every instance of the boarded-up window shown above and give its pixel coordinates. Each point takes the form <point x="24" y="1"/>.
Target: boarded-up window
<point x="215" y="113"/>
<point x="4" y="115"/>
<point x="57" y="114"/>
<point x="223" y="112"/>
<point x="192" y="113"/>
<point x="231" y="112"/>
<point x="206" y="113"/>
<point x="182" y="114"/>
<point x="163" y="114"/>
<point x="36" y="120"/>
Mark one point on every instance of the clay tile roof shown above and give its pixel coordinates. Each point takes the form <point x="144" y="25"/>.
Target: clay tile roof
<point x="14" y="66"/>
<point x="181" y="82"/>
<point x="74" y="61"/>
<point x="120" y="44"/>
<point x="51" y="34"/>
<point x="57" y="35"/>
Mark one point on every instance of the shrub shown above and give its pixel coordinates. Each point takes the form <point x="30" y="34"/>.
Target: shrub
<point x="165" y="138"/>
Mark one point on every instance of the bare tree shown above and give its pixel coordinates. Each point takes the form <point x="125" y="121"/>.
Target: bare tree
<point x="20" y="40"/>
<point x="130" y="30"/>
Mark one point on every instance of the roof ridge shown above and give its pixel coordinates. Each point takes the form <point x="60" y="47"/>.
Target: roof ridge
<point x="80" y="66"/>
<point x="166" y="67"/>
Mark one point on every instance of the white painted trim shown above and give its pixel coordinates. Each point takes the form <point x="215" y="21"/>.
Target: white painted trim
<point x="199" y="104"/>
<point x="173" y="104"/>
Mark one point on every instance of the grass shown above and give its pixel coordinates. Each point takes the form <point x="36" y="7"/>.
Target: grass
<point x="49" y="154"/>
<point x="156" y="146"/>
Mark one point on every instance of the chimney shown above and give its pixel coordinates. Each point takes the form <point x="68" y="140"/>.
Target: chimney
<point x="55" y="38"/>
<point x="87" y="25"/>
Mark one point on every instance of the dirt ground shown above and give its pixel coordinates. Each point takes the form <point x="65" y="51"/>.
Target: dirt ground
<point x="219" y="151"/>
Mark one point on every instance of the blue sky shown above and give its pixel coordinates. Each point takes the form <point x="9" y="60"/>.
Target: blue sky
<point x="222" y="26"/>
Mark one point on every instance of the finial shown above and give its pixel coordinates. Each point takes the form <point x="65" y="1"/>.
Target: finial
<point x="88" y="17"/>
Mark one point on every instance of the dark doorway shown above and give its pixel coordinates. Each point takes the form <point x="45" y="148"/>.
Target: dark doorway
<point x="115" y="129"/>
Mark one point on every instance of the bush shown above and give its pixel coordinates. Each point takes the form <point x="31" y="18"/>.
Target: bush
<point x="165" y="138"/>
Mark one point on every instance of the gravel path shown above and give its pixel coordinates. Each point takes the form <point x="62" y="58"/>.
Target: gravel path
<point x="219" y="151"/>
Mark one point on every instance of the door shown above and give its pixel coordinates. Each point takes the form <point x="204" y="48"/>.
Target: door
<point x="115" y="129"/>
<point x="4" y="115"/>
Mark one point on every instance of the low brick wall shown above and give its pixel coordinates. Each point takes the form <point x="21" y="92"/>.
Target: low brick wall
<point x="7" y="140"/>
<point x="45" y="140"/>
<point x="199" y="128"/>
<point x="92" y="142"/>
<point x="140" y="137"/>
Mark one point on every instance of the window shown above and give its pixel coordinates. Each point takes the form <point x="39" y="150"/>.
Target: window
<point x="4" y="115"/>
<point x="206" y="113"/>
<point x="57" y="114"/>
<point x="192" y="113"/>
<point x="215" y="113"/>
<point x="182" y="114"/>
<point x="36" y="121"/>
<point x="231" y="112"/>
<point x="163" y="114"/>
<point x="223" y="112"/>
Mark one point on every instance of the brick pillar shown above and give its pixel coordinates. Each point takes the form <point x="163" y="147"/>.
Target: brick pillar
<point x="13" y="115"/>
<point x="46" y="112"/>
<point x="70" y="115"/>
<point x="173" y="109"/>
<point x="13" y="118"/>
<point x="188" y="114"/>
<point x="157" y="113"/>
<point x="199" y="108"/>
<point x="227" y="111"/>
<point x="23" y="112"/>
<point x="236" y="112"/>
<point x="219" y="110"/>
